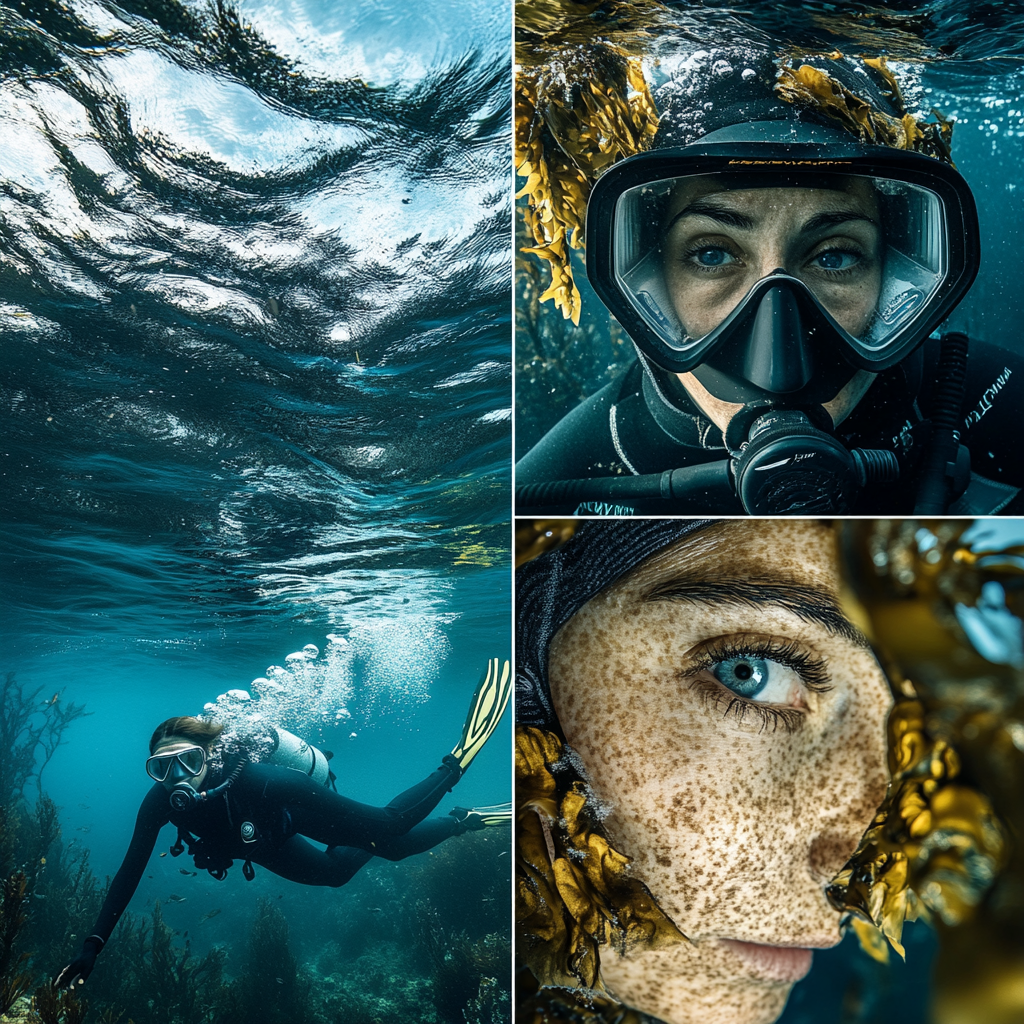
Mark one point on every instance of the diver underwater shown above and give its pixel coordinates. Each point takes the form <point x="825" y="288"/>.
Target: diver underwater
<point x="782" y="254"/>
<point x="226" y="807"/>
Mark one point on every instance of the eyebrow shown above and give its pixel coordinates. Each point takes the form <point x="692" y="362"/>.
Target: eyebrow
<point x="807" y="601"/>
<point x="735" y="219"/>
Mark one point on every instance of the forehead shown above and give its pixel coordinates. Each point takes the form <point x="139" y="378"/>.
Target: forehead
<point x="839" y="193"/>
<point x="173" y="744"/>
<point x="799" y="550"/>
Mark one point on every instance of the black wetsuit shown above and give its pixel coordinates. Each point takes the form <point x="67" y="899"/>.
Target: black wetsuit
<point x="638" y="425"/>
<point x="282" y="805"/>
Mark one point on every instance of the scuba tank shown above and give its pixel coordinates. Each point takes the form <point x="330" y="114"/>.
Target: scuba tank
<point x="286" y="749"/>
<point x="292" y="752"/>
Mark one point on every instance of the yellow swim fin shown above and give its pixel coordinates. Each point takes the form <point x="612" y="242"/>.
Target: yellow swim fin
<point x="476" y="818"/>
<point x="485" y="711"/>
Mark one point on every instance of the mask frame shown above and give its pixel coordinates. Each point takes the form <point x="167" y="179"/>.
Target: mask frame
<point x="165" y="761"/>
<point x="790" y="150"/>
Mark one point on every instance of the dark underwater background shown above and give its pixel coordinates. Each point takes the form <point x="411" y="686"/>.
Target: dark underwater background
<point x="254" y="396"/>
<point x="965" y="59"/>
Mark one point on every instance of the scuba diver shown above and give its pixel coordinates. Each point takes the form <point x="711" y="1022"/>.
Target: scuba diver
<point x="259" y="812"/>
<point x="782" y="281"/>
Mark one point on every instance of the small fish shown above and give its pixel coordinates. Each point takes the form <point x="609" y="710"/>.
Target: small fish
<point x="280" y="981"/>
<point x="39" y="895"/>
<point x="84" y="807"/>
<point x="280" y="895"/>
<point x="149" y="876"/>
<point x="84" y="828"/>
<point x="53" y="700"/>
<point x="375" y="910"/>
<point x="503" y="852"/>
<point x="185" y="871"/>
<point x="209" y="914"/>
<point x="174" y="898"/>
<point x="164" y="854"/>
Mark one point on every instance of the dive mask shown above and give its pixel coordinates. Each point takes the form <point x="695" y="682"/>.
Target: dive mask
<point x="190" y="760"/>
<point x="784" y="292"/>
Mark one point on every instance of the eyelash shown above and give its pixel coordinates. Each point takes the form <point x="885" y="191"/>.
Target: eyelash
<point x="812" y="670"/>
<point x="688" y="260"/>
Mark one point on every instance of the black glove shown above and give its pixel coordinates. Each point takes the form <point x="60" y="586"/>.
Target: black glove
<point x="78" y="970"/>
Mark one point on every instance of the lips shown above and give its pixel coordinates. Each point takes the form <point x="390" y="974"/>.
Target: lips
<point x="772" y="963"/>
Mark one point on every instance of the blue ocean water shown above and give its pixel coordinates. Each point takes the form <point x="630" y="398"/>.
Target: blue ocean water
<point x="255" y="393"/>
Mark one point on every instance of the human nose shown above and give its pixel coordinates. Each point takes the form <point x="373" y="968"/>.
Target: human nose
<point x="177" y="772"/>
<point x="838" y="837"/>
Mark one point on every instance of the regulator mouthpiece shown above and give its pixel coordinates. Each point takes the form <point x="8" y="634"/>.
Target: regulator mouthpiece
<point x="790" y="467"/>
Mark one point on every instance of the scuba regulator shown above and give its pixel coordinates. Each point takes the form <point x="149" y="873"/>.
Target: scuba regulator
<point x="789" y="462"/>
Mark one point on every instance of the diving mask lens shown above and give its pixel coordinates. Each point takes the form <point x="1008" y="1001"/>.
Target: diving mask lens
<point x="871" y="251"/>
<point x="191" y="759"/>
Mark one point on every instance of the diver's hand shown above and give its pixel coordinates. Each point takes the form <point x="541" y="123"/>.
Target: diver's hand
<point x="79" y="969"/>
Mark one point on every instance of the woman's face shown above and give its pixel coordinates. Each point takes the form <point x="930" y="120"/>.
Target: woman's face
<point x="734" y="723"/>
<point x="177" y="774"/>
<point x="718" y="244"/>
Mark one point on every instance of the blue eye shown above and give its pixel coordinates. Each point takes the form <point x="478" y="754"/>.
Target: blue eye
<point x="712" y="257"/>
<point x="836" y="259"/>
<point x="746" y="677"/>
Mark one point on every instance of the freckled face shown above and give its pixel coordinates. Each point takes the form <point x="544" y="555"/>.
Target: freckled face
<point x="740" y="742"/>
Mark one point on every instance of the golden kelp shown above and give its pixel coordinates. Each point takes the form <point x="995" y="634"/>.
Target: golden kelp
<point x="937" y="846"/>
<point x="581" y="104"/>
<point x="535" y="536"/>
<point x="814" y="89"/>
<point x="574" y="890"/>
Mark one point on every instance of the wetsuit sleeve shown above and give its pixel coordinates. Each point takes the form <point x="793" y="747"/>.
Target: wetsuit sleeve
<point x="992" y="412"/>
<point x="153" y="815"/>
<point x="578" y="446"/>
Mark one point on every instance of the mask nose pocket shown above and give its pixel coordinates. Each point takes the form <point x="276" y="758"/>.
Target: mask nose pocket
<point x="777" y="361"/>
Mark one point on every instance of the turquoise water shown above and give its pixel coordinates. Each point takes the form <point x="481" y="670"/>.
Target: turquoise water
<point x="255" y="393"/>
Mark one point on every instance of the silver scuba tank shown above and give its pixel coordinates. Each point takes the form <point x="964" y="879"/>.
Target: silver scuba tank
<point x="292" y="752"/>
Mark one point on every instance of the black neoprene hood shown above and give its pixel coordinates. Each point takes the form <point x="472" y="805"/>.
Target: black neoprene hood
<point x="782" y="153"/>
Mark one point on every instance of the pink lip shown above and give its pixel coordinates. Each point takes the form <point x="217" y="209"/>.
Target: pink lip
<point x="773" y="963"/>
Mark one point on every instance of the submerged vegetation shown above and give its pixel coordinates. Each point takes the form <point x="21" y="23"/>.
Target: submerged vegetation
<point x="421" y="942"/>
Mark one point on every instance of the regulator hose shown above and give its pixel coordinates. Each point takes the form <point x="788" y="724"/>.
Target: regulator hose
<point x="673" y="483"/>
<point x="933" y="492"/>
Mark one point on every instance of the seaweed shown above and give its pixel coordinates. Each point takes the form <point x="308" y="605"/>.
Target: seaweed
<point x="30" y="733"/>
<point x="15" y="978"/>
<point x="161" y="982"/>
<point x="271" y="989"/>
<point x="473" y="975"/>
<point x="52" y="1007"/>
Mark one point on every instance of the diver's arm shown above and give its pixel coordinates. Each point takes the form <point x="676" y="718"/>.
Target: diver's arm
<point x="153" y="815"/>
<point x="993" y="404"/>
<point x="579" y="445"/>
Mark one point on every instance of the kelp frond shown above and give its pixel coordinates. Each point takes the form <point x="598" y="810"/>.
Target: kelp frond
<point x="575" y="892"/>
<point x="814" y="89"/>
<point x="581" y="104"/>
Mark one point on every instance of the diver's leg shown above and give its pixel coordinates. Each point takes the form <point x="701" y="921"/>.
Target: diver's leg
<point x="428" y="834"/>
<point x="336" y="820"/>
<point x="299" y="861"/>
<point x="424" y="836"/>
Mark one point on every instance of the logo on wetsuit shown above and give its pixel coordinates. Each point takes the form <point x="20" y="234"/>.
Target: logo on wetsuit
<point x="249" y="833"/>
